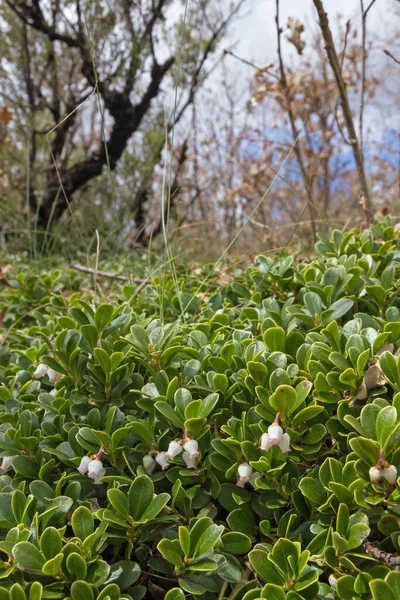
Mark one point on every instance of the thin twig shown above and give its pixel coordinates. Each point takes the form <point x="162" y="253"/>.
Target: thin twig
<point x="396" y="60"/>
<point x="116" y="276"/>
<point x="347" y="113"/>
<point x="240" y="59"/>
<point x="364" y="14"/>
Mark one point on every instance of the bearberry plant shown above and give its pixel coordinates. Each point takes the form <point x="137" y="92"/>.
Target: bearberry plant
<point x="186" y="438"/>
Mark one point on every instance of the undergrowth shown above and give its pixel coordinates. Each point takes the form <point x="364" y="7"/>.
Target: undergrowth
<point x="230" y="435"/>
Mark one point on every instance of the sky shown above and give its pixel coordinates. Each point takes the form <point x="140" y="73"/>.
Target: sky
<point x="254" y="38"/>
<point x="257" y="29"/>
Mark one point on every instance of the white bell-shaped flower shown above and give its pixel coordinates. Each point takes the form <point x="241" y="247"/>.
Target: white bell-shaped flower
<point x="244" y="472"/>
<point x="284" y="444"/>
<point x="149" y="464"/>
<point x="84" y="465"/>
<point x="189" y="460"/>
<point x="375" y="474"/>
<point x="265" y="442"/>
<point x="390" y="474"/>
<point x="174" y="449"/>
<point x="95" y="469"/>
<point x="6" y="464"/>
<point x="162" y="460"/>
<point x="192" y="448"/>
<point x="275" y="433"/>
<point x="53" y="375"/>
<point x="41" y="371"/>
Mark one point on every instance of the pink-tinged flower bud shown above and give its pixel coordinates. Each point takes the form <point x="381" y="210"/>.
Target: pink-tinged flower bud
<point x="244" y="471"/>
<point x="275" y="433"/>
<point x="174" y="449"/>
<point x="94" y="468"/>
<point x="189" y="460"/>
<point x="53" y="375"/>
<point x="41" y="371"/>
<point x="265" y="442"/>
<point x="6" y="464"/>
<point x="162" y="460"/>
<point x="149" y="464"/>
<point x="253" y="480"/>
<point x="390" y="474"/>
<point x="84" y="465"/>
<point x="192" y="448"/>
<point x="284" y="444"/>
<point x="375" y="474"/>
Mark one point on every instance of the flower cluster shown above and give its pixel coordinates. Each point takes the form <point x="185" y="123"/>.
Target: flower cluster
<point x="389" y="473"/>
<point x="43" y="370"/>
<point x="92" y="467"/>
<point x="275" y="437"/>
<point x="382" y="470"/>
<point x="191" y="452"/>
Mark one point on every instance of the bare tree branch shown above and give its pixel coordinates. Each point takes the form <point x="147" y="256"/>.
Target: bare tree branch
<point x="347" y="113"/>
<point x="364" y="14"/>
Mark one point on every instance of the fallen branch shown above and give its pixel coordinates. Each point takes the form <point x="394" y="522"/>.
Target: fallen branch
<point x="384" y="557"/>
<point x="116" y="276"/>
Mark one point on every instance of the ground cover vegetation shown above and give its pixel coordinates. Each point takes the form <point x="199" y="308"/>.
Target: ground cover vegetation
<point x="183" y="437"/>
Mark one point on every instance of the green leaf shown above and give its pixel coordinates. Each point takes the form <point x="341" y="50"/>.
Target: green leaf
<point x="142" y="431"/>
<point x="90" y="334"/>
<point x="381" y="590"/>
<point x="171" y="551"/>
<point x="52" y="566"/>
<point x="76" y="566"/>
<point x="208" y="539"/>
<point x="184" y="540"/>
<point x="389" y="366"/>
<point x="284" y="399"/>
<point x="312" y="490"/>
<point x="385" y="423"/>
<point x="103" y="359"/>
<point x="174" y="594"/>
<point x="103" y="316"/>
<point x="110" y="592"/>
<point x="258" y="371"/>
<point x="28" y="556"/>
<point x="82" y="522"/>
<point x="80" y="590"/>
<point x="242" y="520"/>
<point x="140" y="496"/>
<point x="264" y="568"/>
<point x="155" y="507"/>
<point x="236" y="542"/>
<point x="169" y="413"/>
<point x="274" y="338"/>
<point x="36" y="591"/>
<point x="119" y="501"/>
<point x="26" y="467"/>
<point x="50" y="542"/>
<point x="124" y="573"/>
<point x="273" y="592"/>
<point x="17" y="592"/>
<point x="336" y="310"/>
<point x="366" y="449"/>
